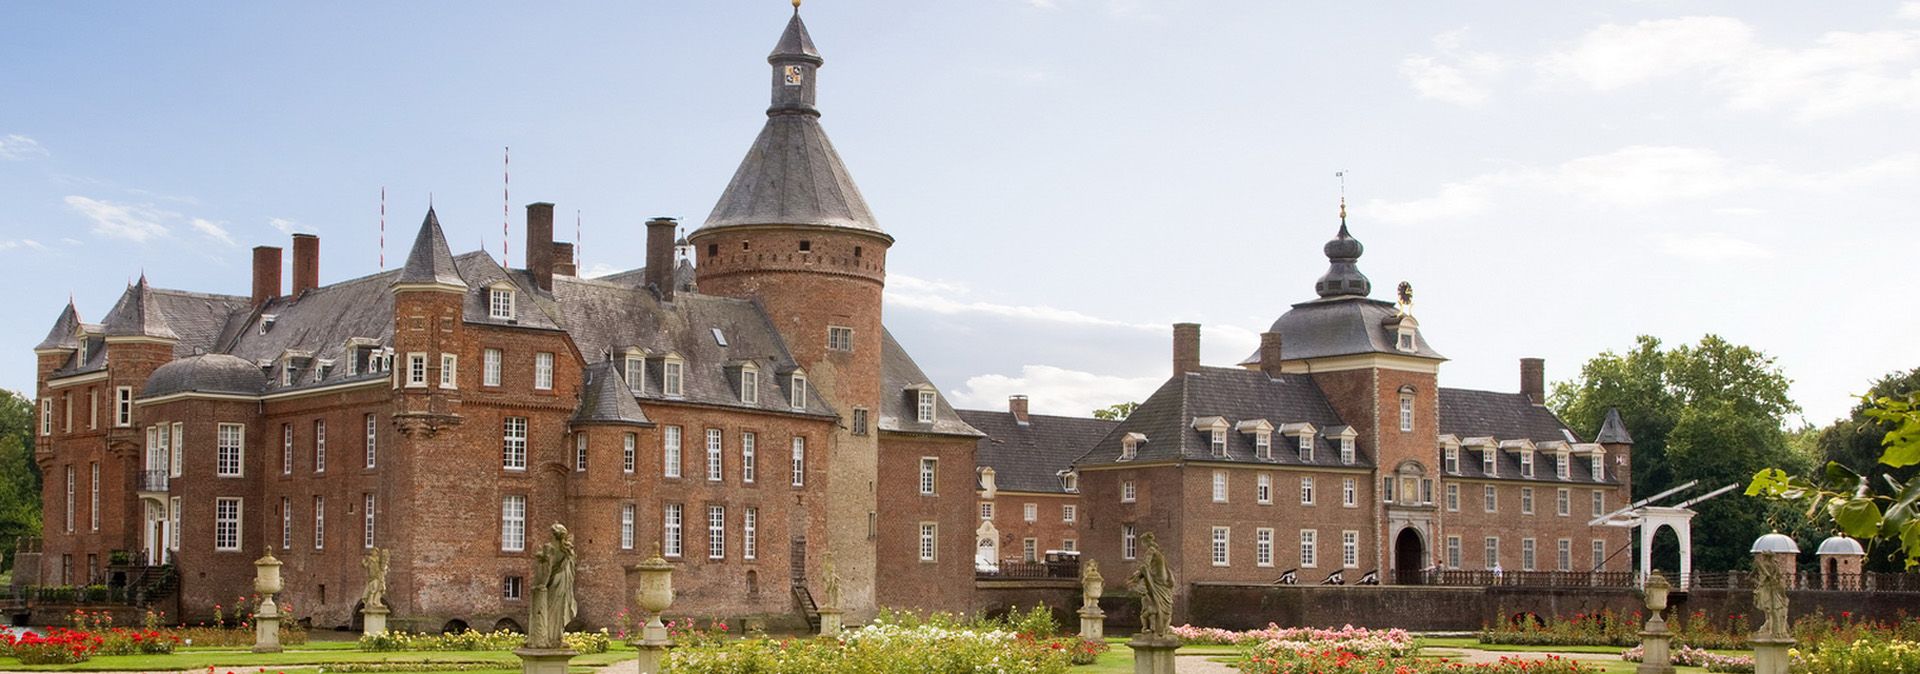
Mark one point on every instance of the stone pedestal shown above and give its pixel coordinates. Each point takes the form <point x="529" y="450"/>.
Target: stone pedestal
<point x="653" y="654"/>
<point x="266" y="627"/>
<point x="1655" y="642"/>
<point x="1770" y="654"/>
<point x="373" y="620"/>
<point x="829" y="622"/>
<point x="1153" y="654"/>
<point x="1093" y="623"/>
<point x="544" y="660"/>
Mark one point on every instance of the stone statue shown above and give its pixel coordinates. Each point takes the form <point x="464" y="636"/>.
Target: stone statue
<point x="375" y="564"/>
<point x="1770" y="597"/>
<point x="831" y="593"/>
<point x="1154" y="583"/>
<point x="1091" y="584"/>
<point x="553" y="605"/>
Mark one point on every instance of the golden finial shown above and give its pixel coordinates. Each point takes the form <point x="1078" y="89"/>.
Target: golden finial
<point x="796" y="5"/>
<point x="1342" y="175"/>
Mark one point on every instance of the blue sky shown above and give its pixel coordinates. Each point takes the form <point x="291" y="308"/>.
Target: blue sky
<point x="1065" y="177"/>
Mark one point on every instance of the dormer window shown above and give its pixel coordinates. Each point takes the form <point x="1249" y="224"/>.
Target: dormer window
<point x="1306" y="448"/>
<point x="1216" y="430"/>
<point x="1562" y="468"/>
<point x="1346" y="451"/>
<point x="672" y="376"/>
<point x="1599" y="466"/>
<point x="1405" y="342"/>
<point x="1130" y="445"/>
<point x="1070" y="482"/>
<point x="1488" y="460"/>
<point x="1451" y="460"/>
<point x="1262" y="433"/>
<point x="924" y="407"/>
<point x="500" y="303"/>
<point x="635" y="366"/>
<point x="798" y="394"/>
<point x="749" y="384"/>
<point x="1526" y="464"/>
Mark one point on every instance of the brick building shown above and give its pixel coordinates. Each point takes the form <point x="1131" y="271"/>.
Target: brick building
<point x="737" y="402"/>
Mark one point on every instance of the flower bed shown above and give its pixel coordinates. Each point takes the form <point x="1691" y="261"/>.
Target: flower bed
<point x="473" y="640"/>
<point x="58" y="646"/>
<point x="1339" y="661"/>
<point x="1864" y="656"/>
<point x="1359" y="640"/>
<point x="1696" y="629"/>
<point x="883" y="649"/>
<point x="1697" y="657"/>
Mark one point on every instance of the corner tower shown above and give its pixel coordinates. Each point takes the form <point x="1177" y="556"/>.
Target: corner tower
<point x="792" y="232"/>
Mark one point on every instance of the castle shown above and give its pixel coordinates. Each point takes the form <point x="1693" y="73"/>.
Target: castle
<point x="738" y="406"/>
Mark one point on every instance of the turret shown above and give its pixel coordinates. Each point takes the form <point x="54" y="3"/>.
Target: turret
<point x="427" y="334"/>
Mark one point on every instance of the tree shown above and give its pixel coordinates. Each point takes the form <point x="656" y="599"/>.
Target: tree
<point x="1116" y="412"/>
<point x="1712" y="411"/>
<point x="19" y="475"/>
<point x="1880" y="511"/>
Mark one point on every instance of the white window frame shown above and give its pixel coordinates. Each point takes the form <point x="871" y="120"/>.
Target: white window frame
<point x="319" y="522"/>
<point x="1406" y="412"/>
<point x="173" y="522"/>
<point x="122" y="406"/>
<point x="513" y="523"/>
<point x="1306" y="447"/>
<point x="672" y="523"/>
<point x="629" y="452"/>
<point x="373" y="440"/>
<point x="1526" y="464"/>
<point x="46" y="416"/>
<point x="749" y="457"/>
<point x="1306" y="490"/>
<point x="1030" y="550"/>
<point x="986" y="510"/>
<point x="449" y="370"/>
<point x="1490" y="462"/>
<point x="799" y="461"/>
<point x="929" y="536"/>
<point x="1453" y="497"/>
<point x="1491" y="548"/>
<point x="1529" y="554"/>
<point x="1219" y="486"/>
<point x="1129" y="492"/>
<point x="1563" y="554"/>
<point x="367" y="510"/>
<point x="749" y="386"/>
<point x="1599" y="554"/>
<point x="1263" y="444"/>
<point x="1349" y="492"/>
<point x="1350" y="549"/>
<point x="543" y="371"/>
<point x="93" y="498"/>
<point x="1562" y="467"/>
<point x="925" y="407"/>
<point x="1309" y="548"/>
<point x="750" y="534"/>
<point x="716" y="451"/>
<point x="1347" y="453"/>
<point x="929" y="471"/>
<point x="839" y="338"/>
<point x="1217" y="440"/>
<point x="1029" y="512"/>
<point x="1263" y="489"/>
<point x="1526" y="500"/>
<point x="490" y="367"/>
<point x="416" y="370"/>
<point x="1129" y="542"/>
<point x="1221" y="546"/>
<point x="672" y="377"/>
<point x="286" y="523"/>
<point x="580" y="451"/>
<point x="286" y="450"/>
<point x="227" y="516"/>
<point x="627" y="514"/>
<point x="500" y="303"/>
<point x="635" y="371"/>
<point x="670" y="441"/>
<point x="797" y="397"/>
<point x="1069" y="513"/>
<point x="1456" y="552"/>
<point x="716" y="532"/>
<point x="513" y="443"/>
<point x="1490" y="498"/>
<point x="1563" y="503"/>
<point x="175" y="436"/>
<point x="1599" y="467"/>
<point x="1450" y="460"/>
<point x="1263" y="547"/>
<point x="1599" y="499"/>
<point x="230" y="450"/>
<point x="319" y="445"/>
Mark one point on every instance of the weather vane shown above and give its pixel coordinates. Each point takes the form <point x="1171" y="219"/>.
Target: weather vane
<point x="1342" y="175"/>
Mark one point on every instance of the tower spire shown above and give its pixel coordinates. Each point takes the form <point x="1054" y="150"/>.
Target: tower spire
<point x="1343" y="277"/>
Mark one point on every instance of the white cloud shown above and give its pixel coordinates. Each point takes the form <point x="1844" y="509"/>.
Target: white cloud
<point x="1053" y="390"/>
<point x="1909" y="10"/>
<point x="133" y="222"/>
<point x="213" y="231"/>
<point x="1454" y="76"/>
<point x="1711" y="247"/>
<point x="1043" y="4"/>
<point x="1840" y="72"/>
<point x="288" y="227"/>
<point x="10" y="244"/>
<point x="940" y="297"/>
<point x="599" y="269"/>
<point x="15" y="147"/>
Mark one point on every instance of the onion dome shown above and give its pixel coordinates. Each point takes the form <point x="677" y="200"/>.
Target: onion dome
<point x="207" y="373"/>
<point x="1840" y="545"/>
<point x="1343" y="277"/>
<point x="1775" y="542"/>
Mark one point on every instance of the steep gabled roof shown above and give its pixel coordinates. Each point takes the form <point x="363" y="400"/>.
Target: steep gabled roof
<point x="1235" y="394"/>
<point x="1030" y="456"/>
<point x="430" y="262"/>
<point x="65" y="332"/>
<point x="606" y="399"/>
<point x="1507" y="416"/>
<point x="898" y="372"/>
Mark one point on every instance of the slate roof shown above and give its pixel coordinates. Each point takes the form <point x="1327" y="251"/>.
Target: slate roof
<point x="429" y="261"/>
<point x="1613" y="430"/>
<point x="320" y="326"/>
<point x="792" y="175"/>
<point x="65" y="332"/>
<point x="1029" y="457"/>
<point x="1341" y="326"/>
<point x="1237" y="394"/>
<point x="206" y="373"/>
<point x="1507" y="416"/>
<point x="794" y="41"/>
<point x="899" y="412"/>
<point x="606" y="399"/>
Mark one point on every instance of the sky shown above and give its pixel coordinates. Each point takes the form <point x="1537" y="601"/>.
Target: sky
<point x="1065" y="178"/>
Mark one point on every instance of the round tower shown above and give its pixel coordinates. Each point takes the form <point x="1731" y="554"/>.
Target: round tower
<point x="792" y="232"/>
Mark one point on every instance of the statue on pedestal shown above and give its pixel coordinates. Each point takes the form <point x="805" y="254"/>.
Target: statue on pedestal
<point x="1770" y="598"/>
<point x="1091" y="584"/>
<point x="375" y="564"/>
<point x="553" y="604"/>
<point x="831" y="580"/>
<point x="1154" y="583"/>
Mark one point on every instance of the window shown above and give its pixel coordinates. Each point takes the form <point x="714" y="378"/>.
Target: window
<point x="1453" y="552"/>
<point x="1347" y="454"/>
<point x="1349" y="493"/>
<point x="1263" y="444"/>
<point x="1029" y="550"/>
<point x="670" y="377"/>
<point x="286" y="451"/>
<point x="1563" y="553"/>
<point x="1129" y="542"/>
<point x="1309" y="548"/>
<point x="490" y="367"/>
<point x="1350" y="549"/>
<point x="634" y="370"/>
<point x="839" y="339"/>
<point x="319" y="522"/>
<point x="1493" y="552"/>
<point x="799" y="461"/>
<point x="1070" y="482"/>
<point x="928" y="534"/>
<point x="1526" y="464"/>
<point x="320" y="445"/>
<point x="1263" y="489"/>
<point x="1599" y="554"/>
<point x="1599" y="503"/>
<point x="1219" y="486"/>
<point x="628" y="445"/>
<point x="543" y="371"/>
<point x="749" y="386"/>
<point x="928" y="468"/>
<point x="1453" y="498"/>
<point x="1306" y="448"/>
<point x="716" y="532"/>
<point x="500" y="303"/>
<point x="1386" y="489"/>
<point x="1526" y="500"/>
<point x="1029" y="512"/>
<point x="716" y="470"/>
<point x="229" y="450"/>
<point x="1406" y="412"/>
<point x="1426" y="491"/>
<point x="286" y="523"/>
<point x="749" y="459"/>
<point x="1450" y="460"/>
<point x="366" y="521"/>
<point x="925" y="407"/>
<point x="1220" y="550"/>
<point x="373" y="440"/>
<point x="1562" y="464"/>
<point x="46" y="416"/>
<point x="1129" y="447"/>
<point x="176" y="448"/>
<point x="449" y="370"/>
<point x="1563" y="503"/>
<point x="93" y="409"/>
<point x="1263" y="547"/>
<point x="1128" y="492"/>
<point x="750" y="534"/>
<point x="123" y="407"/>
<point x="670" y="530"/>
<point x="1069" y="545"/>
<point x="670" y="451"/>
<point x="859" y="421"/>
<point x="511" y="587"/>
<point x="93" y="499"/>
<point x="799" y="393"/>
<point x="580" y="451"/>
<point x="513" y="523"/>
<point x="1599" y="467"/>
<point x="1526" y="554"/>
<point x="66" y="422"/>
<point x="226" y="524"/>
<point x="173" y="523"/>
<point x="1217" y="438"/>
<point x="513" y="451"/>
<point x="1306" y="491"/>
<point x="1069" y="513"/>
<point x="626" y="526"/>
<point x="1488" y="460"/>
<point x="416" y="369"/>
<point x="986" y="510"/>
<point x="1493" y="499"/>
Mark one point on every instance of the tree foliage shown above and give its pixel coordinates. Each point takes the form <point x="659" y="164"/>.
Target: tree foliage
<point x="1115" y="412"/>
<point x="1712" y="411"/>
<point x="19" y="475"/>
<point x="1881" y="511"/>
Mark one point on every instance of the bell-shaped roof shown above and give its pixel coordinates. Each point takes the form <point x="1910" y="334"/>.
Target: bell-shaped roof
<point x="430" y="262"/>
<point x="1840" y="545"/>
<point x="206" y="373"/>
<point x="66" y="330"/>
<point x="1343" y="277"/>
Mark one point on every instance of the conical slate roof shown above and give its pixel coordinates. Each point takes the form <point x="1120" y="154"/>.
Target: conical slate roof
<point x="795" y="42"/>
<point x="429" y="261"/>
<point x="1613" y="431"/>
<point x="134" y="315"/>
<point x="606" y="399"/>
<point x="65" y="332"/>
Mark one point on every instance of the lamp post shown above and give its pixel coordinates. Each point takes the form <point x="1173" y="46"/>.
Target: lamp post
<point x="266" y="618"/>
<point x="1656" y="659"/>
<point x="652" y="582"/>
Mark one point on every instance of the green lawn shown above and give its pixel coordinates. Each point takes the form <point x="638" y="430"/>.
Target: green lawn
<point x="306" y="657"/>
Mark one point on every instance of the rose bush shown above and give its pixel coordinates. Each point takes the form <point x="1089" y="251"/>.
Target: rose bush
<point x="1340" y="661"/>
<point x="1359" y="640"/>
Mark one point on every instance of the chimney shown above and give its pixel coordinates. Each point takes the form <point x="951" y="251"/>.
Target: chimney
<point x="306" y="263"/>
<point x="1017" y="404"/>
<point x="660" y="255"/>
<point x="540" y="244"/>
<point x="1270" y="353"/>
<point x="1533" y="380"/>
<point x="1186" y="348"/>
<point x="563" y="259"/>
<point x="266" y="274"/>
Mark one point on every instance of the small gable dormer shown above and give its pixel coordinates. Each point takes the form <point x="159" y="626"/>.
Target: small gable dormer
<point x="988" y="488"/>
<point x="744" y="376"/>
<point x="1597" y="454"/>
<point x="1405" y="332"/>
<point x="1489" y="450"/>
<point x="1450" y="453"/>
<point x="797" y="389"/>
<point x="1303" y="435"/>
<point x="924" y="399"/>
<point x="1216" y="430"/>
<point x="1524" y="449"/>
<point x="502" y="301"/>
<point x="1261" y="431"/>
<point x="673" y="375"/>
<point x="633" y="368"/>
<point x="1130" y="445"/>
<point x="1347" y="438"/>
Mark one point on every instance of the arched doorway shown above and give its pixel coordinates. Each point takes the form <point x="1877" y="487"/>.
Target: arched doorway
<point x="1409" y="557"/>
<point x="1666" y="551"/>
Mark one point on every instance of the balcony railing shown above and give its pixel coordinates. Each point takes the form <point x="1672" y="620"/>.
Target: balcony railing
<point x="153" y="480"/>
<point x="1058" y="566"/>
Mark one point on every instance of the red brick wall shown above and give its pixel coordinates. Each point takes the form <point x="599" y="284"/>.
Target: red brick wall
<point x="904" y="580"/>
<point x="1048" y="529"/>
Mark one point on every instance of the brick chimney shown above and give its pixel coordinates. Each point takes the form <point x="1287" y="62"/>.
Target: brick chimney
<point x="1017" y="404"/>
<point x="660" y="255"/>
<point x="563" y="259"/>
<point x="540" y="244"/>
<point x="1270" y="353"/>
<point x="1186" y="348"/>
<point x="306" y="263"/>
<point x="266" y="274"/>
<point x="1533" y="380"/>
